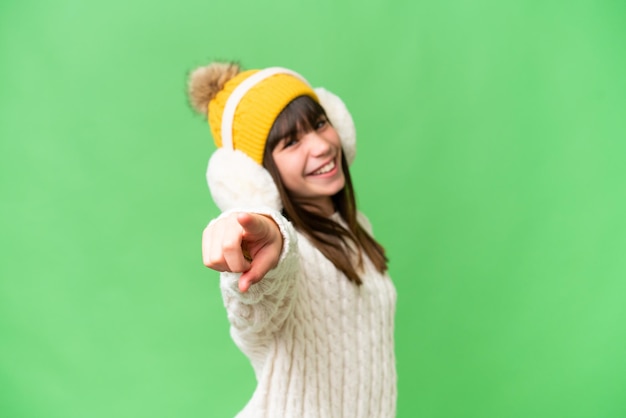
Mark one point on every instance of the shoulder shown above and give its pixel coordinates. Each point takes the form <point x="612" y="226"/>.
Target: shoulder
<point x="364" y="222"/>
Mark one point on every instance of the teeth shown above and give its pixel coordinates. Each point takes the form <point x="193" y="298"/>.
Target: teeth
<point x="326" y="168"/>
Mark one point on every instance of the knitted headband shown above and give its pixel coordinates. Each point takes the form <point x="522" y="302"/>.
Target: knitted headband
<point x="242" y="107"/>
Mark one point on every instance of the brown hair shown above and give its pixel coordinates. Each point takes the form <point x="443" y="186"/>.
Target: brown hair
<point x="338" y="243"/>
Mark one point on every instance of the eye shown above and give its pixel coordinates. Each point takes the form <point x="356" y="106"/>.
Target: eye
<point x="321" y="123"/>
<point x="289" y="142"/>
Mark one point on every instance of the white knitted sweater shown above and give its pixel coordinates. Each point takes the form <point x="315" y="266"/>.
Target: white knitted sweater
<point x="320" y="345"/>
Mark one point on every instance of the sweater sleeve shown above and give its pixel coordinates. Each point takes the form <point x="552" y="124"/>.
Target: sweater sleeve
<point x="259" y="312"/>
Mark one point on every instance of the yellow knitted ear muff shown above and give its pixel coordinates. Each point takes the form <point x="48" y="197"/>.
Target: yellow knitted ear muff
<point x="243" y="112"/>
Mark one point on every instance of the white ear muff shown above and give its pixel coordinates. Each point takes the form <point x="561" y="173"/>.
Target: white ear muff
<point x="236" y="181"/>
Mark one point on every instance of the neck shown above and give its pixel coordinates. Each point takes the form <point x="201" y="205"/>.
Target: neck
<point x="325" y="207"/>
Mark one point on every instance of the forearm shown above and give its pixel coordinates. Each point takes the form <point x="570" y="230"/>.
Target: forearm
<point x="264" y="306"/>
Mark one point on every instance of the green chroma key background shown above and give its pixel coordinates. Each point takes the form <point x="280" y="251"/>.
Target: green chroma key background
<point x="491" y="148"/>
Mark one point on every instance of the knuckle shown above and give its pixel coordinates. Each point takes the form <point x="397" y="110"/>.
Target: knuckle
<point x="231" y="244"/>
<point x="212" y="260"/>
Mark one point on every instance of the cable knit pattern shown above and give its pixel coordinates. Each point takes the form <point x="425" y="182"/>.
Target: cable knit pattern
<point x="320" y="345"/>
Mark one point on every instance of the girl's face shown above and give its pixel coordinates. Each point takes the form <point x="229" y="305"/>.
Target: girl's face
<point x="310" y="166"/>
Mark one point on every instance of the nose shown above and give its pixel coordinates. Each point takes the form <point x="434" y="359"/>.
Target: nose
<point x="317" y="144"/>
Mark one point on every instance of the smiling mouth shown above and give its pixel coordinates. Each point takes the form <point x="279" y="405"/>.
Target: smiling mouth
<point x="325" y="169"/>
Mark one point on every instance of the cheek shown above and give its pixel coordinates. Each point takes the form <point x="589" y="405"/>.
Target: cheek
<point x="287" y="171"/>
<point x="282" y="166"/>
<point x="334" y="138"/>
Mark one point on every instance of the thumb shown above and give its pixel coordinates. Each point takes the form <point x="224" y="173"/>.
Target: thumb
<point x="263" y="262"/>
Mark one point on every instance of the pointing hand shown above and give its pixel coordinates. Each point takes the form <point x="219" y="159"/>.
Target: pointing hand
<point x="246" y="243"/>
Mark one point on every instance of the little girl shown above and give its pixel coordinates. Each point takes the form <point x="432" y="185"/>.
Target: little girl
<point x="304" y="282"/>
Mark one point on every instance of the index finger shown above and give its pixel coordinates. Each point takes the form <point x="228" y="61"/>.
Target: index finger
<point x="253" y="224"/>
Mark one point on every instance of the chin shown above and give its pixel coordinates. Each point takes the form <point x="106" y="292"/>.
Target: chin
<point x="339" y="187"/>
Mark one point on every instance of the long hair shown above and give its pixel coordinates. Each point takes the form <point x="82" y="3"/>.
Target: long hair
<point x="341" y="245"/>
